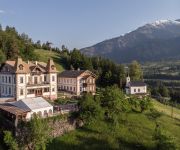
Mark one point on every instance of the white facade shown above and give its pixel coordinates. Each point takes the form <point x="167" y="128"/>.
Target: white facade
<point x="136" y="90"/>
<point x="69" y="84"/>
<point x="32" y="80"/>
<point x="137" y="87"/>
<point x="36" y="85"/>
<point x="33" y="106"/>
<point x="77" y="82"/>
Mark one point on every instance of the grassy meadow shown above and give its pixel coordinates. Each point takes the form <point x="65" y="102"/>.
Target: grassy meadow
<point x="134" y="132"/>
<point x="44" y="55"/>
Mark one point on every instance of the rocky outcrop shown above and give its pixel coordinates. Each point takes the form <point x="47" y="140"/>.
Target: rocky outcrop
<point x="59" y="127"/>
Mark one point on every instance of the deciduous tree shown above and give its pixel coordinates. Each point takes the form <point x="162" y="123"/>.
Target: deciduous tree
<point x="135" y="71"/>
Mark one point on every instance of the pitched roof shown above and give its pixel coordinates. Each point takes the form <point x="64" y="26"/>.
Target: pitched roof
<point x="71" y="73"/>
<point x="8" y="66"/>
<point x="14" y="66"/>
<point x="137" y="83"/>
<point x="12" y="109"/>
<point x="50" y="66"/>
<point x="75" y="73"/>
<point x="32" y="103"/>
<point x="11" y="63"/>
<point x="25" y="66"/>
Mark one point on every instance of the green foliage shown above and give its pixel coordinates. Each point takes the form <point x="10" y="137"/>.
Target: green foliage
<point x="44" y="55"/>
<point x="145" y="104"/>
<point x="10" y="141"/>
<point x="163" y="90"/>
<point x="12" y="44"/>
<point x="121" y="75"/>
<point x="2" y="56"/>
<point x="154" y="114"/>
<point x="114" y="102"/>
<point x="90" y="108"/>
<point x="135" y="71"/>
<point x="163" y="141"/>
<point x="140" y="104"/>
<point x="134" y="103"/>
<point x="135" y="134"/>
<point x="38" y="135"/>
<point x="160" y="90"/>
<point x="108" y="73"/>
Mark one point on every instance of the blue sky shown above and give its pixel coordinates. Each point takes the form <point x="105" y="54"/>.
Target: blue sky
<point x="81" y="23"/>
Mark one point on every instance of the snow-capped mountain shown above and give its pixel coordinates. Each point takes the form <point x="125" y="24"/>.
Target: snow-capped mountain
<point x="161" y="23"/>
<point x="151" y="42"/>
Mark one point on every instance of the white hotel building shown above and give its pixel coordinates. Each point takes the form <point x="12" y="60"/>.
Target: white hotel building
<point x="20" y="79"/>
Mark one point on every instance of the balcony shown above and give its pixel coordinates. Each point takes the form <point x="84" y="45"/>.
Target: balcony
<point x="37" y="84"/>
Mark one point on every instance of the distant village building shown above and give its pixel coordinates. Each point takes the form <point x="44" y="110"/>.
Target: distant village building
<point x="25" y="109"/>
<point x="135" y="87"/>
<point x="20" y="79"/>
<point x="77" y="82"/>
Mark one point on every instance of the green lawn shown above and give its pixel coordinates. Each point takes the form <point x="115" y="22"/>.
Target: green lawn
<point x="44" y="55"/>
<point x="134" y="133"/>
<point x="168" y="110"/>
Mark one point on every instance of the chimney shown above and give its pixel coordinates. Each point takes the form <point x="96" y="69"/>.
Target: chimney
<point x="36" y="62"/>
<point x="28" y="62"/>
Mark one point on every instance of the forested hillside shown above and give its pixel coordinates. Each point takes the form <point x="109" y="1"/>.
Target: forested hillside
<point x="13" y="44"/>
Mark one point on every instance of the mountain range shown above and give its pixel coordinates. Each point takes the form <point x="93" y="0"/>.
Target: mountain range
<point x="155" y="41"/>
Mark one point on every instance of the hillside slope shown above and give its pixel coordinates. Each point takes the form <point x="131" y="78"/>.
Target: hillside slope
<point x="44" y="55"/>
<point x="133" y="134"/>
<point x="151" y="42"/>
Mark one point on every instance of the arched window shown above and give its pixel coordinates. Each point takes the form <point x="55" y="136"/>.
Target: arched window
<point x="33" y="115"/>
<point x="45" y="113"/>
<point x="50" y="112"/>
<point x="39" y="113"/>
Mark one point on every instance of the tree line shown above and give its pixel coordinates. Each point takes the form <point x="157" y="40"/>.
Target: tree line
<point x="13" y="44"/>
<point x="108" y="73"/>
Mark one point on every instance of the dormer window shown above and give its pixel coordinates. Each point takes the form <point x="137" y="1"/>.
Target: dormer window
<point x="52" y="67"/>
<point x="20" y="67"/>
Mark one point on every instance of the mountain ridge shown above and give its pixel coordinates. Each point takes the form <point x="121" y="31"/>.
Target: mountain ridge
<point x="153" y="41"/>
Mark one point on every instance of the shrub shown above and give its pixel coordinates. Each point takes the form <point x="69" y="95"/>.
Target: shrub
<point x="113" y="101"/>
<point x="162" y="140"/>
<point x="89" y="109"/>
<point x="10" y="141"/>
<point x="154" y="114"/>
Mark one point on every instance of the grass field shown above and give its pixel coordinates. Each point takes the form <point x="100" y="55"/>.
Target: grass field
<point x="44" y="55"/>
<point x="135" y="133"/>
<point x="166" y="109"/>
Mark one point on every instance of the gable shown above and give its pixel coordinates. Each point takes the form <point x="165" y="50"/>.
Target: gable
<point x="88" y="73"/>
<point x="8" y="67"/>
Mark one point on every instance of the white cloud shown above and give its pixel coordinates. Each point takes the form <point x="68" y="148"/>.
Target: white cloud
<point x="2" y="11"/>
